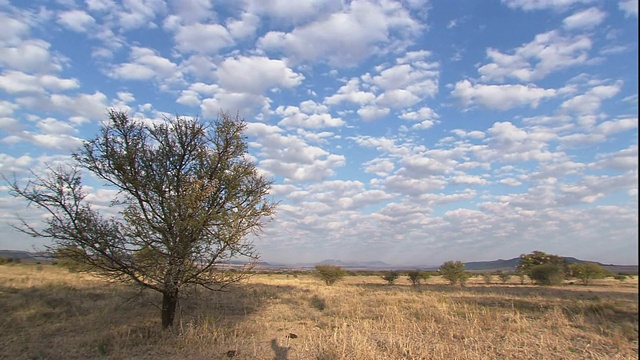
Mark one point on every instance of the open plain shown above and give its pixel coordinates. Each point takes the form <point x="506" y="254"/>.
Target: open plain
<point x="49" y="313"/>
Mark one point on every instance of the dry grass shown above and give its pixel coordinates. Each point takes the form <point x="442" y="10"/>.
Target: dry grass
<point x="48" y="313"/>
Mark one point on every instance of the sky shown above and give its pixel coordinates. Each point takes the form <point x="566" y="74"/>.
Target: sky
<point x="409" y="132"/>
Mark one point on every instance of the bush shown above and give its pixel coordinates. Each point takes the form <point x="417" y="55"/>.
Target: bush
<point x="454" y="272"/>
<point x="546" y="274"/>
<point x="318" y="302"/>
<point x="587" y="271"/>
<point x="504" y="276"/>
<point x="390" y="276"/>
<point x="487" y="277"/>
<point x="620" y="277"/>
<point x="416" y="276"/>
<point x="330" y="274"/>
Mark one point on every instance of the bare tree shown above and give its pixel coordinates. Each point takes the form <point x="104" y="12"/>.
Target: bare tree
<point x="188" y="198"/>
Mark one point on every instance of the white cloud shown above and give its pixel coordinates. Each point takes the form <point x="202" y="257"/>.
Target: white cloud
<point x="585" y="19"/>
<point x="351" y="93"/>
<point x="293" y="117"/>
<point x="344" y="38"/>
<point x="29" y="55"/>
<point x="17" y="82"/>
<point x="76" y="20"/>
<point x="500" y="97"/>
<point x="145" y="64"/>
<point x="549" y="52"/>
<point x="630" y="7"/>
<point x="140" y="13"/>
<point x="589" y="102"/>
<point x="202" y="38"/>
<point x="256" y="74"/>
<point x="543" y="4"/>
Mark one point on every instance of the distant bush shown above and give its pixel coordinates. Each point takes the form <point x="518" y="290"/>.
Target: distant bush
<point x="546" y="274"/>
<point x="504" y="276"/>
<point x="390" y="276"/>
<point x="620" y="277"/>
<point x="330" y="274"/>
<point x="487" y="277"/>
<point x="416" y="276"/>
<point x="318" y="302"/>
<point x="454" y="272"/>
<point x="587" y="271"/>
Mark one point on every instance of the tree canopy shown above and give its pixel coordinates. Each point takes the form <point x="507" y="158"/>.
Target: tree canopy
<point x="188" y="199"/>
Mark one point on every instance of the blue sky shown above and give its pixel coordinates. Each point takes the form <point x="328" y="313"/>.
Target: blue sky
<point x="412" y="132"/>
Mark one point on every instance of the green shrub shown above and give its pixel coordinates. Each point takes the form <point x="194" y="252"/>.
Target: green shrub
<point x="546" y="274"/>
<point x="390" y="276"/>
<point x="454" y="272"/>
<point x="587" y="271"/>
<point x="504" y="276"/>
<point x="330" y="274"/>
<point x="416" y="276"/>
<point x="487" y="277"/>
<point x="620" y="277"/>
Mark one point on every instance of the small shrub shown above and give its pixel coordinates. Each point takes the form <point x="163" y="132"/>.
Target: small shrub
<point x="318" y="302"/>
<point x="620" y="277"/>
<point x="487" y="277"/>
<point x="330" y="274"/>
<point x="391" y="276"/>
<point x="416" y="277"/>
<point x="546" y="274"/>
<point x="504" y="276"/>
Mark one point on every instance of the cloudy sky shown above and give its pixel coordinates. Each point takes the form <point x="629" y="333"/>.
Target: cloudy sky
<point x="411" y="132"/>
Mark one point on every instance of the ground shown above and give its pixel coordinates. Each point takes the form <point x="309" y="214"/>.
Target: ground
<point x="49" y="313"/>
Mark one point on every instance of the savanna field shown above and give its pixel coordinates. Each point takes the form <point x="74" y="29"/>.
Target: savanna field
<point x="50" y="313"/>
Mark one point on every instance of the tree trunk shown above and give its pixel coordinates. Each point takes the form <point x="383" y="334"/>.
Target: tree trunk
<point x="169" y="303"/>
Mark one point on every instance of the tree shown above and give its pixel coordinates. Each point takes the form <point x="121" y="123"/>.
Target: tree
<point x="527" y="261"/>
<point x="588" y="271"/>
<point x="330" y="274"/>
<point x="188" y="198"/>
<point x="546" y="274"/>
<point x="416" y="276"/>
<point x="390" y="276"/>
<point x="454" y="272"/>
<point x="543" y="268"/>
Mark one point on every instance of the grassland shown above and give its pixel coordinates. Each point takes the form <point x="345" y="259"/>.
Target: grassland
<point x="48" y="313"/>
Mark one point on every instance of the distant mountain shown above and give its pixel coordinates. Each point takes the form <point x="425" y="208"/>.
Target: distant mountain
<point x="354" y="264"/>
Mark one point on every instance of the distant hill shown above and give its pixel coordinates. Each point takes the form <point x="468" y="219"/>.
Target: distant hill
<point x="500" y="264"/>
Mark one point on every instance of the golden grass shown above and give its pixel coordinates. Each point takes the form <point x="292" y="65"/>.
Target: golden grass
<point x="48" y="313"/>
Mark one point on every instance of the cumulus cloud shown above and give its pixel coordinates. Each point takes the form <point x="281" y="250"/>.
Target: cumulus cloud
<point x="584" y="19"/>
<point x="343" y="38"/>
<point x="549" y="52"/>
<point x="629" y="7"/>
<point x="76" y="20"/>
<point x="256" y="74"/>
<point x="145" y="64"/>
<point x="500" y="97"/>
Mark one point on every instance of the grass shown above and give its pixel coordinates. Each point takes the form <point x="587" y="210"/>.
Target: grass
<point x="48" y="313"/>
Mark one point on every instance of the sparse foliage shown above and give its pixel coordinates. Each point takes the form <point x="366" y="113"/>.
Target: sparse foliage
<point x="454" y="272"/>
<point x="587" y="271"/>
<point x="504" y="276"/>
<point x="390" y="276"/>
<point x="487" y="278"/>
<point x="416" y="276"/>
<point x="188" y="197"/>
<point x="330" y="274"/>
<point x="546" y="274"/>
